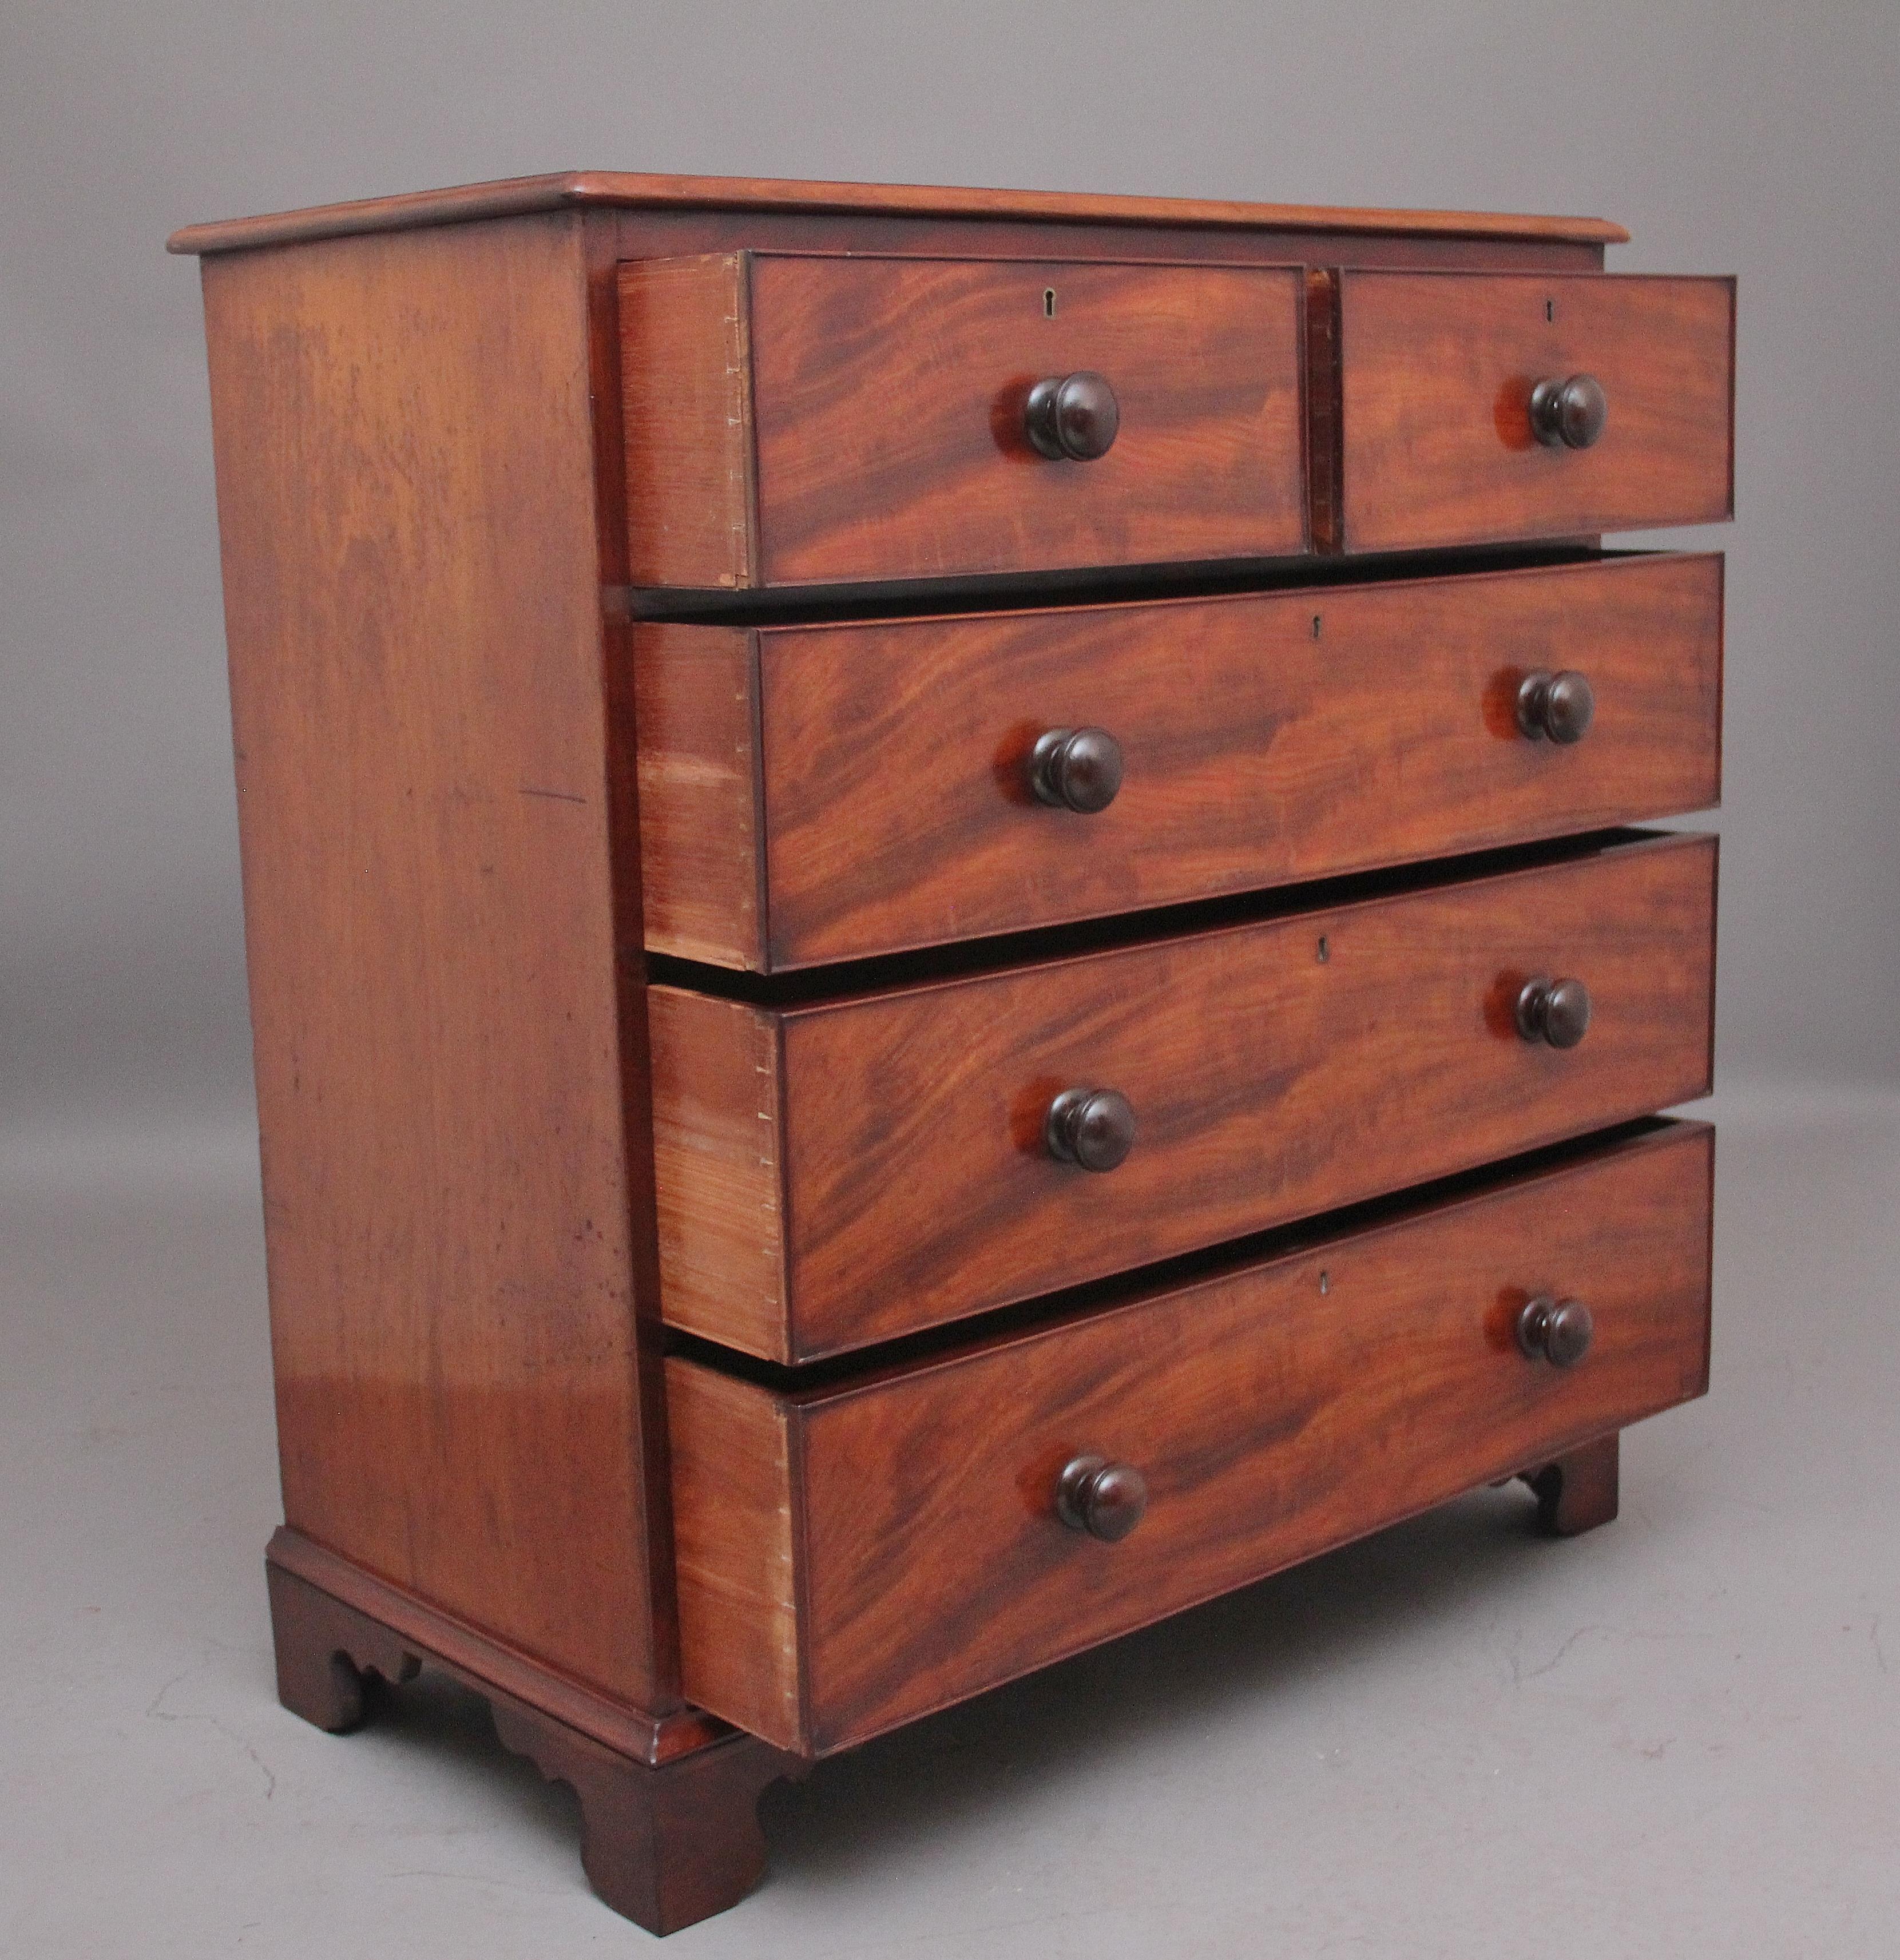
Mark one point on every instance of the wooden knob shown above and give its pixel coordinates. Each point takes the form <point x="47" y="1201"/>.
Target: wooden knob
<point x="1568" y="414"/>
<point x="1105" y="1500"/>
<point x="1073" y="417"/>
<point x="1555" y="707"/>
<point x="1556" y="1331"/>
<point x="1555" y="1011"/>
<point x="1093" y="1128"/>
<point x="1076" y="768"/>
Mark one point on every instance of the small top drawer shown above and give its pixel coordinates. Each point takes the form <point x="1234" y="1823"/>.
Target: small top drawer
<point x="795" y="420"/>
<point x="1479" y="407"/>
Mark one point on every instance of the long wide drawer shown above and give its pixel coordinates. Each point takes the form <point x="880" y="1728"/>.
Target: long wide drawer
<point x="849" y="1558"/>
<point x="820" y="793"/>
<point x="1520" y="405"/>
<point x="841" y="1172"/>
<point x="798" y="420"/>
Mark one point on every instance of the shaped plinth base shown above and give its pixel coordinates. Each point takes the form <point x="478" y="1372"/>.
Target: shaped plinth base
<point x="667" y="1844"/>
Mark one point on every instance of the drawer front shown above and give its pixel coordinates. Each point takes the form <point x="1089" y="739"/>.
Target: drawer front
<point x="797" y="421"/>
<point x="887" y="801"/>
<point x="833" y="1176"/>
<point x="1436" y="440"/>
<point x="849" y="1560"/>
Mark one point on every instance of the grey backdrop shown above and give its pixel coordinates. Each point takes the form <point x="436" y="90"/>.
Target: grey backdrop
<point x="1756" y="139"/>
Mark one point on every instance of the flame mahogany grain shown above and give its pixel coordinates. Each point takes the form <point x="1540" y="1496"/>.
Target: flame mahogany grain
<point x="898" y="1177"/>
<point x="1437" y="371"/>
<point x="1272" y="1413"/>
<point x="811" y="794"/>
<point x="799" y="420"/>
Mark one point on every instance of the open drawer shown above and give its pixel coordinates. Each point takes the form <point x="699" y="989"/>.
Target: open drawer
<point x="854" y="1556"/>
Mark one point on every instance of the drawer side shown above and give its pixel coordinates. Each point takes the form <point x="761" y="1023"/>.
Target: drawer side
<point x="733" y="1535"/>
<point x="717" y="1170"/>
<point x="688" y="417"/>
<point x="702" y="861"/>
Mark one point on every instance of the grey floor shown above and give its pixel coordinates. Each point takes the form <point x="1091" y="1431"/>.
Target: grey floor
<point x="1680" y="1736"/>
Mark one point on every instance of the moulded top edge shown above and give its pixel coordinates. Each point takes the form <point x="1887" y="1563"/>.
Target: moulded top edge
<point x="514" y="196"/>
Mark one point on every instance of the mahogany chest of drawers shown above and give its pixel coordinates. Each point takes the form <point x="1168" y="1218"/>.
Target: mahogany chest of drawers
<point x="943" y="949"/>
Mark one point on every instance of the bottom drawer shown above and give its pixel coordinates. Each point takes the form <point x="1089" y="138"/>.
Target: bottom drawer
<point x="853" y="1555"/>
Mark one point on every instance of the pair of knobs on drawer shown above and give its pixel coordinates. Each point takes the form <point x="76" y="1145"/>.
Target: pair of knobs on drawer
<point x="1075" y="417"/>
<point x="1107" y="1499"/>
<point x="1094" y="1128"/>
<point x="1080" y="769"/>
